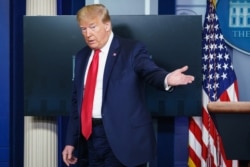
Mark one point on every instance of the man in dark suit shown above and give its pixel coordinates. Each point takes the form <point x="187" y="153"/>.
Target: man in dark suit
<point x="122" y="132"/>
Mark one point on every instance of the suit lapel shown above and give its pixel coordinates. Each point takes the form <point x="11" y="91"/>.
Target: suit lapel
<point x="111" y="59"/>
<point x="83" y="66"/>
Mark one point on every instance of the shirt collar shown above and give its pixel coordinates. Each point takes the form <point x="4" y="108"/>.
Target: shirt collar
<point x="107" y="46"/>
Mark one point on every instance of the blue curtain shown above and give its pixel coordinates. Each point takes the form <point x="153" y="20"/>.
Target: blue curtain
<point x="69" y="7"/>
<point x="17" y="11"/>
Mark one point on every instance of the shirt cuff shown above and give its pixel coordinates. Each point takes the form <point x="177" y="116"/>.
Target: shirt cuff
<point x="167" y="87"/>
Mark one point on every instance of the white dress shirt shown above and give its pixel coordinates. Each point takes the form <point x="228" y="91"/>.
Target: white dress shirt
<point x="97" y="104"/>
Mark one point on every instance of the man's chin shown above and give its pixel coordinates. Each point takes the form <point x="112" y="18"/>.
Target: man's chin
<point x="93" y="46"/>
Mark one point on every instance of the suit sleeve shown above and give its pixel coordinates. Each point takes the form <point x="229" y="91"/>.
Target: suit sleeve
<point x="73" y="124"/>
<point x="146" y="68"/>
<point x="73" y="131"/>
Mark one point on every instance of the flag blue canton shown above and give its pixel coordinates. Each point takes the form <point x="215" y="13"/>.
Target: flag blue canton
<point x="217" y="68"/>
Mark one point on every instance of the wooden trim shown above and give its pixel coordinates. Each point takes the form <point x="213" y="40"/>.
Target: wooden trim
<point x="229" y="107"/>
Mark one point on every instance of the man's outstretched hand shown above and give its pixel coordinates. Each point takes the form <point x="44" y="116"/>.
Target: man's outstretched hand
<point x="177" y="77"/>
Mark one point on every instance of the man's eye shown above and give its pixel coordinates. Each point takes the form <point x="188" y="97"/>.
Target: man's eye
<point x="83" y="29"/>
<point x="92" y="27"/>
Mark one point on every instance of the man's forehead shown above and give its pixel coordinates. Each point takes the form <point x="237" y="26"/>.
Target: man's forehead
<point x="88" y="22"/>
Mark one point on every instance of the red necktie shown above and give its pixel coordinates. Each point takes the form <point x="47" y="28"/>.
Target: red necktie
<point x="87" y="103"/>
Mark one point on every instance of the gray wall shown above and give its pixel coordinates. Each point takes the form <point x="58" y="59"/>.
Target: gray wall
<point x="241" y="64"/>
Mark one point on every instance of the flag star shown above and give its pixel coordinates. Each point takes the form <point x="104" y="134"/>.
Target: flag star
<point x="231" y="66"/>
<point x="206" y="47"/>
<point x="209" y="87"/>
<point x="215" y="46"/>
<point x="211" y="56"/>
<point x="210" y="76"/>
<point x="220" y="46"/>
<point x="212" y="36"/>
<point x="208" y="17"/>
<point x="219" y="56"/>
<point x="212" y="16"/>
<point x="216" y="36"/>
<point x="221" y="37"/>
<point x="218" y="66"/>
<point x="216" y="86"/>
<point x="216" y="76"/>
<point x="226" y="56"/>
<point x="224" y="76"/>
<point x="225" y="66"/>
<point x="203" y="77"/>
<point x="211" y="46"/>
<point x="205" y="57"/>
<point x="211" y="67"/>
<point x="207" y="37"/>
<point x="216" y="27"/>
<point x="214" y="96"/>
<point x="207" y="27"/>
<point x="216" y="17"/>
<point x="204" y="67"/>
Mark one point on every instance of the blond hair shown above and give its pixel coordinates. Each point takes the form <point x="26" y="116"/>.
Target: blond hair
<point x="90" y="12"/>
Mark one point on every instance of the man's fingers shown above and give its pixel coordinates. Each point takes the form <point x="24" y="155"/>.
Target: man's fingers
<point x="68" y="157"/>
<point x="72" y="160"/>
<point x="65" y="158"/>
<point x="183" y="69"/>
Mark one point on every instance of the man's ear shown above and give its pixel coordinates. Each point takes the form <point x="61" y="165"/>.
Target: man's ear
<point x="107" y="26"/>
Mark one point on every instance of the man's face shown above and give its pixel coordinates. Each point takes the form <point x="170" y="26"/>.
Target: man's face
<point x="95" y="32"/>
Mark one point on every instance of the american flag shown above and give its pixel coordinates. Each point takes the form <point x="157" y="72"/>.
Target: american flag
<point x="219" y="84"/>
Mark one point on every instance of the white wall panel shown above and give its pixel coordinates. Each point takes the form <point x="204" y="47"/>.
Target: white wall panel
<point x="40" y="133"/>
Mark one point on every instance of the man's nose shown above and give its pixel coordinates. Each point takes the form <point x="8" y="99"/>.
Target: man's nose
<point x="88" y="32"/>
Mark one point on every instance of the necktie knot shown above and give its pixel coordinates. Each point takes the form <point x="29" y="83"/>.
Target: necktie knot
<point x="97" y="51"/>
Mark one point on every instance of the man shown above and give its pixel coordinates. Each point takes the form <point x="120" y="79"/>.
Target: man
<point x="122" y="132"/>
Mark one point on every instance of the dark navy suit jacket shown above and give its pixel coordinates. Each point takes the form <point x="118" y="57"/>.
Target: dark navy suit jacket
<point x="127" y="122"/>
